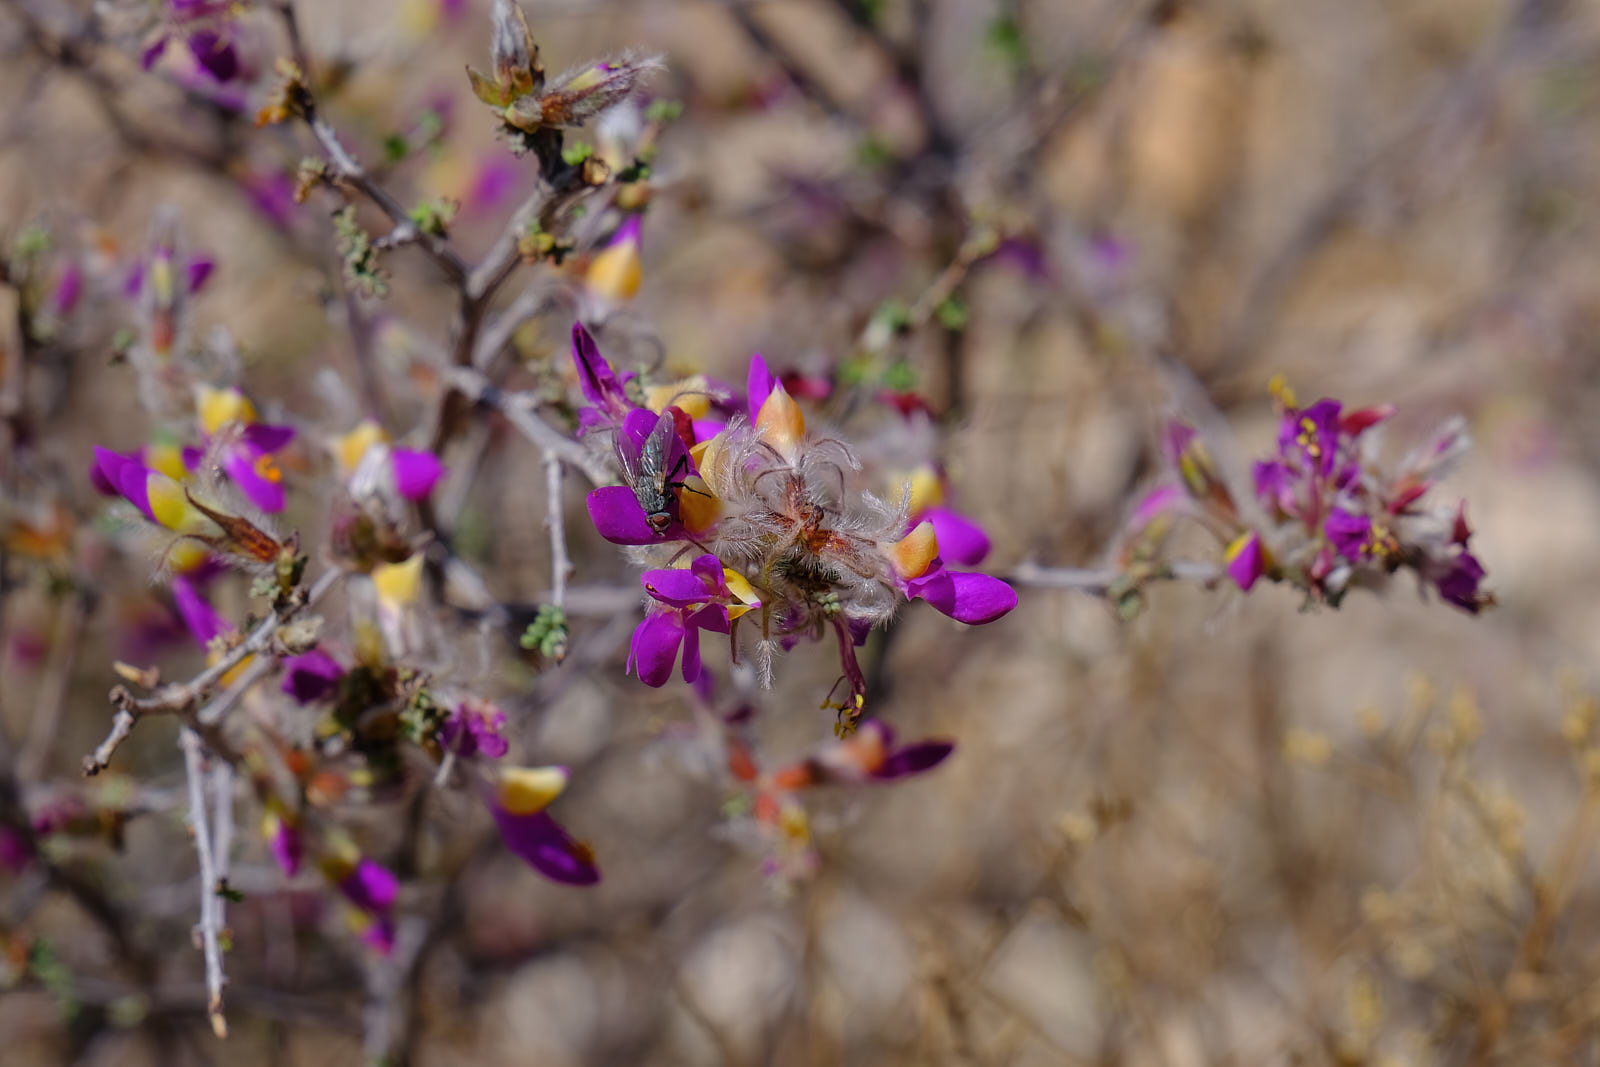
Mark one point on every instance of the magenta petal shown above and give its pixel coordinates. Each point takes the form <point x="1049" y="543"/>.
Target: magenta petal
<point x="914" y="759"/>
<point x="415" y="473"/>
<point x="371" y="887"/>
<point x="264" y="493"/>
<point x="148" y="57"/>
<point x="616" y="513"/>
<point x="287" y="848"/>
<point x="203" y="620"/>
<point x="125" y="476"/>
<point x="691" y="654"/>
<point x="266" y="436"/>
<point x="960" y="539"/>
<point x="759" y="384"/>
<point x="311" y="676"/>
<point x="655" y="647"/>
<point x="676" y="586"/>
<point x="198" y="270"/>
<point x="965" y="596"/>
<point x="1246" y="561"/>
<point x="547" y="847"/>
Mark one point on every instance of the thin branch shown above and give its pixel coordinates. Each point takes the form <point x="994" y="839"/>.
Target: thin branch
<point x="351" y="171"/>
<point x="178" y="698"/>
<point x="222" y="849"/>
<point x="555" y="519"/>
<point x="53" y="691"/>
<point x="1098" y="581"/>
<point x="518" y="410"/>
<point x="498" y="332"/>
<point x="210" y="924"/>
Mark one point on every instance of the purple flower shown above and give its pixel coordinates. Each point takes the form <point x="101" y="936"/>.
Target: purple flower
<point x="68" y="290"/>
<point x="121" y="474"/>
<point x="547" y="847"/>
<point x="1247" y="559"/>
<point x="474" y="729"/>
<point x="284" y="840"/>
<point x="872" y="753"/>
<point x="203" y="620"/>
<point x="518" y="803"/>
<point x="608" y="400"/>
<point x="312" y="676"/>
<point x="415" y="473"/>
<point x="960" y="538"/>
<point x="371" y="886"/>
<point x="692" y="599"/>
<point x="1348" y="533"/>
<point x="963" y="595"/>
<point x="1458" y="581"/>
<point x="1311" y="436"/>
<point x="759" y="385"/>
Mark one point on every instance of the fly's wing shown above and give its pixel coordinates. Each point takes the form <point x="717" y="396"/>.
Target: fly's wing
<point x="627" y="456"/>
<point x="653" y="456"/>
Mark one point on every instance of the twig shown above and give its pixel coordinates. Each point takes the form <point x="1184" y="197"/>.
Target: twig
<point x="222" y="850"/>
<point x="1098" y="581"/>
<point x="518" y="410"/>
<point x="178" y="698"/>
<point x="497" y="333"/>
<point x="224" y="701"/>
<point x="53" y="690"/>
<point x="349" y="170"/>
<point x="555" y="519"/>
<point x="193" y="764"/>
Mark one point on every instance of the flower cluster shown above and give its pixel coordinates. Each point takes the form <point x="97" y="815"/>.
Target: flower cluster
<point x="1327" y="514"/>
<point x="782" y="529"/>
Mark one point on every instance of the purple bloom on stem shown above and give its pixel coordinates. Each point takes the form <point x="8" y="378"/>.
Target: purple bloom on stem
<point x="415" y="473"/>
<point x="1311" y="435"/>
<point x="960" y="538"/>
<point x="547" y="847"/>
<point x="1247" y="559"/>
<point x="311" y="676"/>
<point x="1459" y="580"/>
<point x="963" y="595"/>
<point x="608" y="401"/>
<point x="696" y="598"/>
<point x="272" y="195"/>
<point x="1274" y="486"/>
<point x="371" y="887"/>
<point x="198" y="271"/>
<point x="518" y="804"/>
<point x="122" y="475"/>
<point x="758" y="385"/>
<point x="1348" y="533"/>
<point x="69" y="288"/>
<point x="284" y="841"/>
<point x="203" y="620"/>
<point x="473" y="729"/>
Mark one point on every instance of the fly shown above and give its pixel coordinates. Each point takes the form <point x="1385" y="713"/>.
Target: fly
<point x="652" y="481"/>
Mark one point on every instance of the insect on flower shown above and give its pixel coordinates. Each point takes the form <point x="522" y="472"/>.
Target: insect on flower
<point x="655" y="469"/>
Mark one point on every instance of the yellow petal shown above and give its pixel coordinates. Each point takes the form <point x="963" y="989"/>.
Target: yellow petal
<point x="529" y="790"/>
<point x="168" y="459"/>
<point x="691" y="396"/>
<point x="927" y="491"/>
<point x="398" y="583"/>
<point x="171" y="507"/>
<point x="697" y="508"/>
<point x="914" y="553"/>
<point x="218" y="407"/>
<point x="187" y="556"/>
<point x="351" y="447"/>
<point x="740" y="587"/>
<point x="781" y="422"/>
<point x="616" y="272"/>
